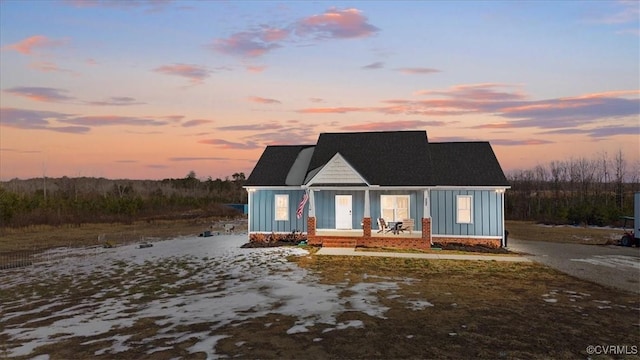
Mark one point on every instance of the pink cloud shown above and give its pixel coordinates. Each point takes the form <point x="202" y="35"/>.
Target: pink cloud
<point x="509" y="102"/>
<point x="195" y="73"/>
<point x="43" y="94"/>
<point x="374" y="65"/>
<point x="510" y="142"/>
<point x="113" y="120"/>
<point x="224" y="144"/>
<point x="261" y="100"/>
<point x="393" y="125"/>
<point x="256" y="69"/>
<point x="418" y="71"/>
<point x="333" y="24"/>
<point x="37" y="120"/>
<point x="336" y="23"/>
<point x="249" y="43"/>
<point x="30" y="44"/>
<point x="273" y="34"/>
<point x="477" y="92"/>
<point x="503" y="125"/>
<point x="197" y="122"/>
<point x="116" y="101"/>
<point x="331" y="110"/>
<point x="252" y="127"/>
<point x="197" y="158"/>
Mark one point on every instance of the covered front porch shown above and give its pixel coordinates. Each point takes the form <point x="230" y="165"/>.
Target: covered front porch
<point x="365" y="237"/>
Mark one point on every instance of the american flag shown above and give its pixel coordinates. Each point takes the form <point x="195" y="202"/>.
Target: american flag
<point x="305" y="197"/>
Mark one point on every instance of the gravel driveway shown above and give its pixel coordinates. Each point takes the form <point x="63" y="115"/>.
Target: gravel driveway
<point x="607" y="265"/>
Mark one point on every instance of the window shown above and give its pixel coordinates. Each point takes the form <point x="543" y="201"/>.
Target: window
<point x="394" y="207"/>
<point x="464" y="209"/>
<point x="282" y="207"/>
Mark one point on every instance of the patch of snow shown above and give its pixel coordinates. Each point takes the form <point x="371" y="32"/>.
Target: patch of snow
<point x="613" y="261"/>
<point x="551" y="300"/>
<point x="232" y="285"/>
<point x="207" y="345"/>
<point x="416" y="305"/>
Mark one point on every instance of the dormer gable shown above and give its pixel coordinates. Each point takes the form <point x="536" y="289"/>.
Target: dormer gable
<point x="336" y="171"/>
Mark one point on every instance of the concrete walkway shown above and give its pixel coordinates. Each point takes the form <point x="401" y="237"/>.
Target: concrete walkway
<point x="443" y="256"/>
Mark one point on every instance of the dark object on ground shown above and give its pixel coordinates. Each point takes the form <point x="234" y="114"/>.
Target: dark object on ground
<point x="206" y="233"/>
<point x="251" y="245"/>
<point x="470" y="248"/>
<point x="145" y="245"/>
<point x="273" y="240"/>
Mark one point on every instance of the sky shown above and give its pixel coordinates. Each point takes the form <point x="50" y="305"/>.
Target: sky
<point x="156" y="89"/>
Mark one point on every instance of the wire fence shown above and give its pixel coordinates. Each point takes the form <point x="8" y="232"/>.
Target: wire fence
<point x="24" y="258"/>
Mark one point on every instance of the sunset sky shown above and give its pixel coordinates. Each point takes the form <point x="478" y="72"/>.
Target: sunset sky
<point x="156" y="89"/>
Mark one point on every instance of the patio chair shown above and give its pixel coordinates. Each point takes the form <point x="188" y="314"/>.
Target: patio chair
<point x="407" y="225"/>
<point x="382" y="225"/>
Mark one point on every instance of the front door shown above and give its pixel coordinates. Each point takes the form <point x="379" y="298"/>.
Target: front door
<point x="343" y="212"/>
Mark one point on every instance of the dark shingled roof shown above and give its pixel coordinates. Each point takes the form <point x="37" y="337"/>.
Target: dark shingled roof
<point x="466" y="164"/>
<point x="389" y="158"/>
<point x="274" y="165"/>
<point x="382" y="158"/>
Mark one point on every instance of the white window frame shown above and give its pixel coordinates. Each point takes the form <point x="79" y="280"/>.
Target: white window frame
<point x="281" y="207"/>
<point x="464" y="210"/>
<point x="396" y="217"/>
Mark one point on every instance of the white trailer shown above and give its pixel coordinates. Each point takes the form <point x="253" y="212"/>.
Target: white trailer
<point x="632" y="237"/>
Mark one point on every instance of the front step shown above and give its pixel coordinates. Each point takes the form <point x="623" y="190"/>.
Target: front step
<point x="339" y="242"/>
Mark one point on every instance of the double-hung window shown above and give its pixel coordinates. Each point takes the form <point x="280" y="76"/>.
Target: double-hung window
<point x="464" y="209"/>
<point x="394" y="207"/>
<point x="281" y="207"/>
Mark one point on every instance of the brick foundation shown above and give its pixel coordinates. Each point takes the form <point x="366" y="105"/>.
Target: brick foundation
<point x="312" y="239"/>
<point x="493" y="243"/>
<point x="393" y="242"/>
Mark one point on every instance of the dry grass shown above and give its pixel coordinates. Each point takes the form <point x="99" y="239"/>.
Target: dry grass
<point x="43" y="237"/>
<point x="527" y="230"/>
<point x="480" y="310"/>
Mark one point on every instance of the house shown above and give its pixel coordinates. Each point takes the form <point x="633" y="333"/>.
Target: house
<point x="449" y="191"/>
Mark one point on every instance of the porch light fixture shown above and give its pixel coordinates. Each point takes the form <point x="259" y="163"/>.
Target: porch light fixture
<point x="500" y="191"/>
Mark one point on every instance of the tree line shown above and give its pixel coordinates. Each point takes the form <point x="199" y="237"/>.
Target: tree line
<point x="588" y="191"/>
<point x="57" y="201"/>
<point x="595" y="191"/>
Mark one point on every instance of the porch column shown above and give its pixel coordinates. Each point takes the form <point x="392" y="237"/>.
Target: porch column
<point x="312" y="204"/>
<point x="367" y="206"/>
<point x="426" y="210"/>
